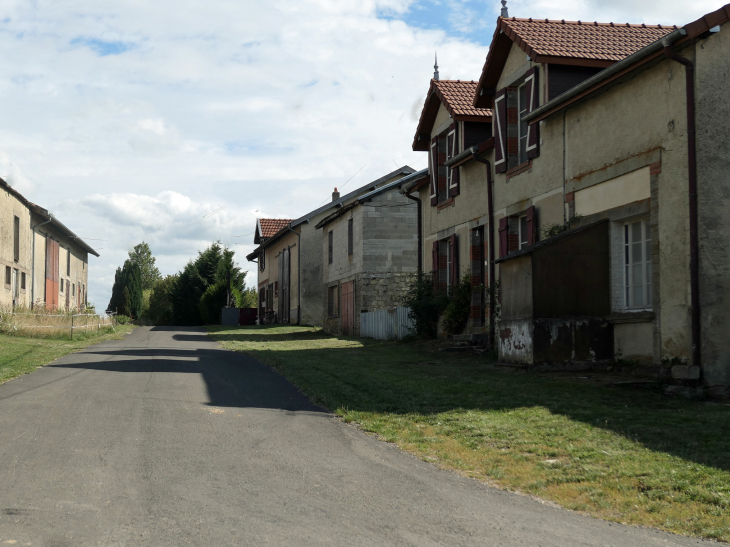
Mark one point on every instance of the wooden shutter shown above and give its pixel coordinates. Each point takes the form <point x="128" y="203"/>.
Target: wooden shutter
<point x="433" y="169"/>
<point x="452" y="149"/>
<point x="533" y="101"/>
<point x="454" y="250"/>
<point x="503" y="236"/>
<point x="499" y="120"/>
<point x="435" y="264"/>
<point x="531" y="226"/>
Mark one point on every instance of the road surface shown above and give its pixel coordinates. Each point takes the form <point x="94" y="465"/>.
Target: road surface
<point x="166" y="439"/>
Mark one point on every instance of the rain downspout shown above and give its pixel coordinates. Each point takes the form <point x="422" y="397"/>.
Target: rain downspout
<point x="299" y="274"/>
<point x="420" y="240"/>
<point x="692" y="175"/>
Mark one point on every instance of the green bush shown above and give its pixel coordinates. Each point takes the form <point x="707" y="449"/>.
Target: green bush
<point x="426" y="305"/>
<point x="213" y="299"/>
<point x="457" y="311"/>
<point x="123" y="319"/>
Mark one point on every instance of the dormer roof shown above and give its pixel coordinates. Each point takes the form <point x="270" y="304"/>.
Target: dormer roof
<point x="579" y="43"/>
<point x="457" y="96"/>
<point x="268" y="227"/>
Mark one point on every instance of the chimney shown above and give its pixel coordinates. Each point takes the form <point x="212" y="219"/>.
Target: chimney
<point x="505" y="13"/>
<point x="335" y="195"/>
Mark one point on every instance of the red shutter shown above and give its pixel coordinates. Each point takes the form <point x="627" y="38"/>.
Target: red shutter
<point x="531" y="226"/>
<point x="503" y="236"/>
<point x="433" y="169"/>
<point x="499" y="130"/>
<point x="454" y="250"/>
<point x="452" y="145"/>
<point x="533" y="101"/>
<point x="435" y="264"/>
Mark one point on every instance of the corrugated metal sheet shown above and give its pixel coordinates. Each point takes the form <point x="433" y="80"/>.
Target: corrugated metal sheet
<point x="386" y="324"/>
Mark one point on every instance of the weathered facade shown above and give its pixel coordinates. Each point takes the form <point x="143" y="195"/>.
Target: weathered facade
<point x="453" y="202"/>
<point x="370" y="255"/>
<point x="43" y="262"/>
<point x="611" y="157"/>
<point x="284" y="283"/>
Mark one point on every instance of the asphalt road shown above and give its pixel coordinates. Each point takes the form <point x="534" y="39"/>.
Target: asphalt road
<point x="166" y="439"/>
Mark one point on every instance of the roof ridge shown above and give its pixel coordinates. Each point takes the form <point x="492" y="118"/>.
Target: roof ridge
<point x="586" y="23"/>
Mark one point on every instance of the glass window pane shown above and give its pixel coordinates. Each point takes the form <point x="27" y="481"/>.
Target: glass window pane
<point x="523" y="232"/>
<point x="636" y="232"/>
<point x="636" y="254"/>
<point x="638" y="286"/>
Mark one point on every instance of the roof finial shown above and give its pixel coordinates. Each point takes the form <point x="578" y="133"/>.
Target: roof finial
<point x="505" y="14"/>
<point x="435" y="67"/>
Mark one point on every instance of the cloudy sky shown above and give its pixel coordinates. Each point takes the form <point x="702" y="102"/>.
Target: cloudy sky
<point x="131" y="120"/>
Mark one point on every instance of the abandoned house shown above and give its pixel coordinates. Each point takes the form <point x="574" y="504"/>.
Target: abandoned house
<point x="607" y="206"/>
<point x="369" y="255"/>
<point x="43" y="262"/>
<point x="453" y="202"/>
<point x="291" y="291"/>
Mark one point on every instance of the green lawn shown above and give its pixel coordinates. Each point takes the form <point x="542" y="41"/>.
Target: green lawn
<point x="21" y="355"/>
<point x="622" y="454"/>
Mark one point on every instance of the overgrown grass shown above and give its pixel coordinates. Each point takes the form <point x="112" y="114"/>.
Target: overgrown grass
<point x="21" y="355"/>
<point x="622" y="454"/>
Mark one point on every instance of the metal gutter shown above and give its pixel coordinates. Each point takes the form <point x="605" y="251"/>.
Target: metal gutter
<point x="469" y="153"/>
<point x="614" y="69"/>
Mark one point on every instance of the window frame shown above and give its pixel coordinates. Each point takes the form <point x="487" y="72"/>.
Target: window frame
<point x="522" y="146"/>
<point x="16" y="238"/>
<point x="23" y="281"/>
<point x="8" y="276"/>
<point x="628" y="263"/>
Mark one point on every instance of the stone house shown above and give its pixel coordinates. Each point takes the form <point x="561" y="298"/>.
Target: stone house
<point x="43" y="262"/>
<point x="292" y="292"/>
<point x="453" y="202"/>
<point x="370" y="255"/>
<point x="608" y="206"/>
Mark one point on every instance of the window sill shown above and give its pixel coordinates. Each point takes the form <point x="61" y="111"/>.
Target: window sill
<point x="627" y="316"/>
<point x="521" y="168"/>
<point x="449" y="202"/>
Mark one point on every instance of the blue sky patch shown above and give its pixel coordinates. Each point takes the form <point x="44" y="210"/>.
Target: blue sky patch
<point x="102" y="47"/>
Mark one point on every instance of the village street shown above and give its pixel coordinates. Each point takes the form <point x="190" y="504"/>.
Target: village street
<point x="164" y="439"/>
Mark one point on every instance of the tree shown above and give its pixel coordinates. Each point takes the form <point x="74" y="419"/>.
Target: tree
<point x="127" y="290"/>
<point x="160" y="310"/>
<point x="142" y="256"/>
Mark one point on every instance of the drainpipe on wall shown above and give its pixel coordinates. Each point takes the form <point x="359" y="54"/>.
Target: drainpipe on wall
<point x="693" y="230"/>
<point x="490" y="214"/>
<point x="32" y="281"/>
<point x="299" y="274"/>
<point x="420" y="241"/>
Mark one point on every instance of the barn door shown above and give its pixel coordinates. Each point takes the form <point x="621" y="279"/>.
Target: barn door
<point x="52" y="253"/>
<point x="348" y="308"/>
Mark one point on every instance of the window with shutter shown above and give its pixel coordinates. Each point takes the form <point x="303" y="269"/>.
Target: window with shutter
<point x="532" y="101"/>
<point x="500" y="131"/>
<point x="433" y="169"/>
<point x="452" y="150"/>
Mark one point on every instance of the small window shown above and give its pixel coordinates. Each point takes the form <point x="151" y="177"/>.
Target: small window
<point x="332" y="301"/>
<point x="330" y="242"/>
<point x="83" y="265"/>
<point x="349" y="238"/>
<point x="68" y="261"/>
<point x="73" y="289"/>
<point x="22" y="281"/>
<point x="16" y="239"/>
<point x="61" y="285"/>
<point x="637" y="264"/>
<point x="8" y="275"/>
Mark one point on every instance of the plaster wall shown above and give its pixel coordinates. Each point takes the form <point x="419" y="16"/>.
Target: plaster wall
<point x="270" y="275"/>
<point x="10" y="207"/>
<point x="713" y="170"/>
<point x="633" y="186"/>
<point x="443" y="119"/>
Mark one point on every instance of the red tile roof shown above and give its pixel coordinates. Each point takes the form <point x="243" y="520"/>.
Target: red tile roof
<point x="457" y="97"/>
<point x="581" y="39"/>
<point x="563" y="42"/>
<point x="270" y="226"/>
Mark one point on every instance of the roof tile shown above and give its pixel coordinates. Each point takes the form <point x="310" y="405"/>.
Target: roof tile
<point x="270" y="226"/>
<point x="459" y="97"/>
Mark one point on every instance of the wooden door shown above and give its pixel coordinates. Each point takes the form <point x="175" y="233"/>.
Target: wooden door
<point x="52" y="277"/>
<point x="348" y="308"/>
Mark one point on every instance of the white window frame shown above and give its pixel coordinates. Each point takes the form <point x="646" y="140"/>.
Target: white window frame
<point x="629" y="264"/>
<point x="521" y="235"/>
<point x="450" y="154"/>
<point x="434" y="170"/>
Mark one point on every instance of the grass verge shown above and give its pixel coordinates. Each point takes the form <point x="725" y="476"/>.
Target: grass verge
<point x="621" y="454"/>
<point x="21" y="355"/>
